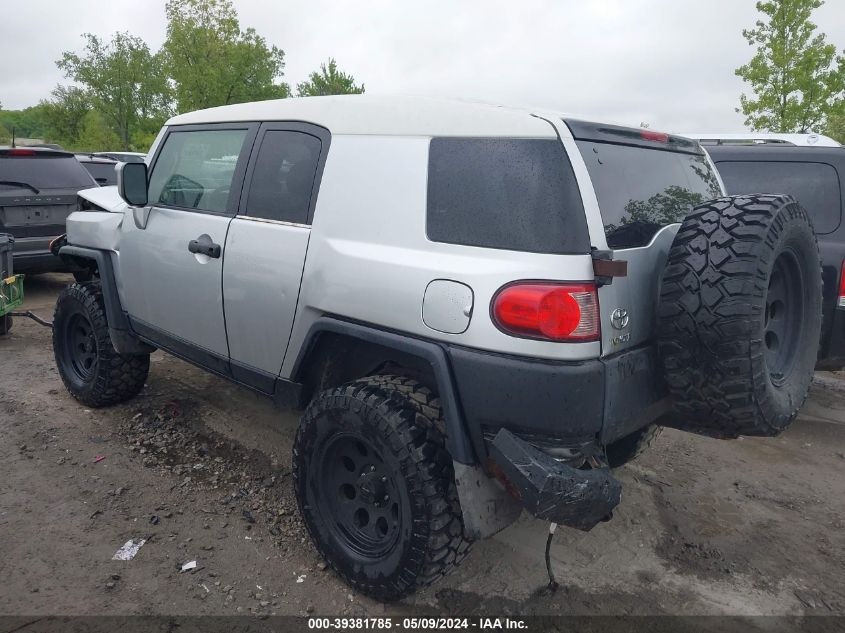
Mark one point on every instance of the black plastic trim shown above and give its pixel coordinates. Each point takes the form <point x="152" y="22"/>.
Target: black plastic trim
<point x="571" y="403"/>
<point x="284" y="392"/>
<point x="457" y="439"/>
<point x="563" y="400"/>
<point x="621" y="135"/>
<point x="115" y="315"/>
<point x="120" y="331"/>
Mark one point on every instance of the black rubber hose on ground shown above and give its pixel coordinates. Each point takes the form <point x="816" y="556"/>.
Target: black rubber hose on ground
<point x="553" y="584"/>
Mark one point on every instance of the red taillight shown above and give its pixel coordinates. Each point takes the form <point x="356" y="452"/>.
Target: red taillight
<point x="841" y="302"/>
<point x="650" y="135"/>
<point x="19" y="152"/>
<point x="552" y="311"/>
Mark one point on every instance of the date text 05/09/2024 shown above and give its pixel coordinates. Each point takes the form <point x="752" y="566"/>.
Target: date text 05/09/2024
<point x="424" y="623"/>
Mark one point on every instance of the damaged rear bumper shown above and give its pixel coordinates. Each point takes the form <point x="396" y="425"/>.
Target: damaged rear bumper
<point x="551" y="490"/>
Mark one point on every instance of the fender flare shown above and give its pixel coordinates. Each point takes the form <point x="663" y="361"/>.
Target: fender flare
<point x="457" y="439"/>
<point x="486" y="506"/>
<point x="120" y="331"/>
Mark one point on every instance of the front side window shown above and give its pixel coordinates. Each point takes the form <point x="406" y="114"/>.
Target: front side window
<point x="283" y="180"/>
<point x="194" y="170"/>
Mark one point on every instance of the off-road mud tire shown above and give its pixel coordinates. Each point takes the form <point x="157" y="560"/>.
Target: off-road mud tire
<point x="628" y="448"/>
<point x="402" y="421"/>
<point x="717" y="313"/>
<point x="104" y="377"/>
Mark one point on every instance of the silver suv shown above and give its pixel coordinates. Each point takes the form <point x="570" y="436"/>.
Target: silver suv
<point x="479" y="309"/>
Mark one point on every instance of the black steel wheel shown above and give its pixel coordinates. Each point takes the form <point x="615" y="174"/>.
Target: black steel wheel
<point x="79" y="344"/>
<point x="91" y="369"/>
<point x="366" y="509"/>
<point x="376" y="487"/>
<point x="783" y="315"/>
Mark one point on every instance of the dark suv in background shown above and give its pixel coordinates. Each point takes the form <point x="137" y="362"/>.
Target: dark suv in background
<point x="38" y="189"/>
<point x="814" y="175"/>
<point x="100" y="167"/>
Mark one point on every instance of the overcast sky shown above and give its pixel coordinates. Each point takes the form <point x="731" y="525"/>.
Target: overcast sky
<point x="668" y="62"/>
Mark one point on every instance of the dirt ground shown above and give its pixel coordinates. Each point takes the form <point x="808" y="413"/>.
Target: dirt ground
<point x="201" y="470"/>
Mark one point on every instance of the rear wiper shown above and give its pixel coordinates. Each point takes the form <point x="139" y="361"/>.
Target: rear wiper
<point x="17" y="183"/>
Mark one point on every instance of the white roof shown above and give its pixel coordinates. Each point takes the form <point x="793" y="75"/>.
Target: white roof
<point x="383" y="115"/>
<point x="804" y="140"/>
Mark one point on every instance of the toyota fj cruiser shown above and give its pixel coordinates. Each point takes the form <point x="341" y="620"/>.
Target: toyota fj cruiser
<point x="480" y="309"/>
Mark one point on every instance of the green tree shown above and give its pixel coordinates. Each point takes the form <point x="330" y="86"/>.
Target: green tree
<point x="329" y="81"/>
<point x="796" y="76"/>
<point x="126" y="82"/>
<point x="28" y="123"/>
<point x="64" y="114"/>
<point x="835" y="128"/>
<point x="213" y="62"/>
<point x="96" y="134"/>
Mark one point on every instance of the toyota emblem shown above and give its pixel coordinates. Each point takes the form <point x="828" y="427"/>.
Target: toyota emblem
<point x="619" y="318"/>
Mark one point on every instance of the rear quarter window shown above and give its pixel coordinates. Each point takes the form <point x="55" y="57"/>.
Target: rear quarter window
<point x="815" y="185"/>
<point x="103" y="173"/>
<point x="505" y="193"/>
<point x="640" y="190"/>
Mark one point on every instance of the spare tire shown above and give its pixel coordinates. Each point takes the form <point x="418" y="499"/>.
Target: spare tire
<point x="739" y="316"/>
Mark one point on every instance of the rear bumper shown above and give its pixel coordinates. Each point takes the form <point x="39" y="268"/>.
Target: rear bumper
<point x="32" y="255"/>
<point x="832" y="351"/>
<point x="550" y="490"/>
<point x="556" y="404"/>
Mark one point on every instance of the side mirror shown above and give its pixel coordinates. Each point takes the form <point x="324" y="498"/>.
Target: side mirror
<point x="132" y="183"/>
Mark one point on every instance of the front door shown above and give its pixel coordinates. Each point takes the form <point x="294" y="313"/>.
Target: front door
<point x="266" y="247"/>
<point x="171" y="270"/>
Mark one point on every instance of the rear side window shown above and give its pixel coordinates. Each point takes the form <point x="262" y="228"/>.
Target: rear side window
<point x="815" y="185"/>
<point x="103" y="173"/>
<point x="283" y="179"/>
<point x="194" y="170"/>
<point x="640" y="190"/>
<point x="514" y="194"/>
<point x="43" y="173"/>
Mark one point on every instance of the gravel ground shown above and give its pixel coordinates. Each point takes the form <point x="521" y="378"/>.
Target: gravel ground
<point x="200" y="470"/>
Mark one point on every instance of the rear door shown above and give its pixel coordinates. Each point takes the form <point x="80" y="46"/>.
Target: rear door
<point x="266" y="246"/>
<point x="171" y="270"/>
<point x="37" y="192"/>
<point x="645" y="183"/>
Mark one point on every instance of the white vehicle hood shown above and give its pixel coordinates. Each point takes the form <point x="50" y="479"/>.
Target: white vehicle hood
<point x="106" y="198"/>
